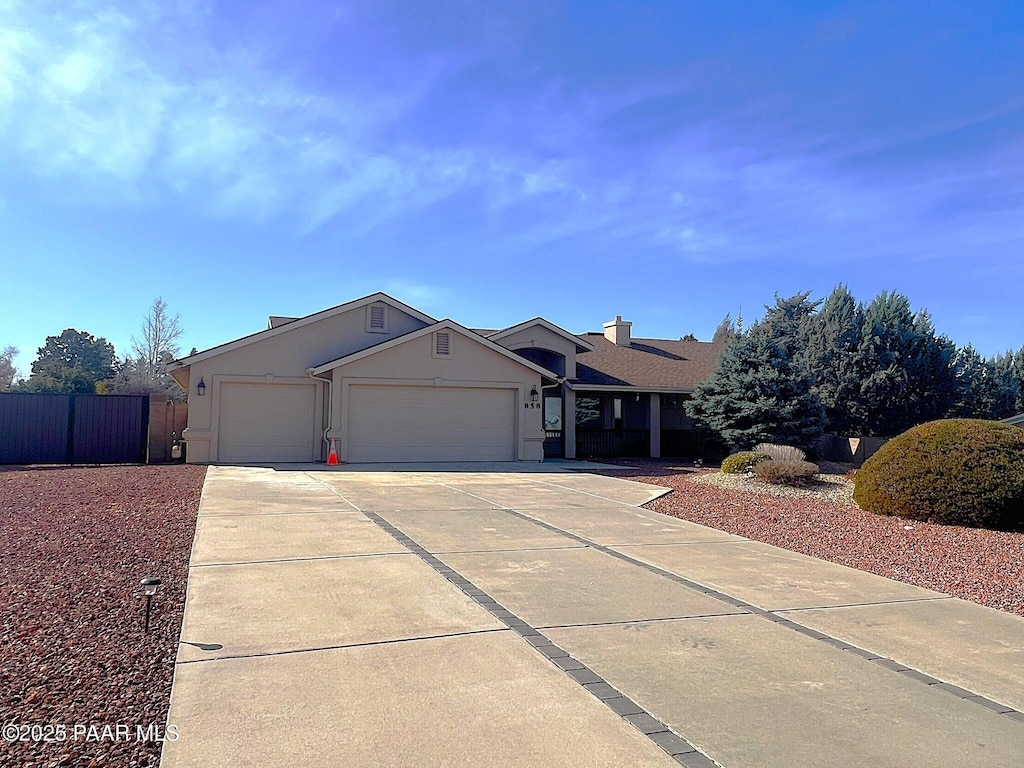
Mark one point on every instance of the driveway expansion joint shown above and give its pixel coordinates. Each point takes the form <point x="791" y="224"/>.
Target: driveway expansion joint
<point x="776" y="618"/>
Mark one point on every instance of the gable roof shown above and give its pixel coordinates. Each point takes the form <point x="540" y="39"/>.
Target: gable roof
<point x="229" y="346"/>
<point x="646" y="363"/>
<point x="582" y="345"/>
<point x="445" y="324"/>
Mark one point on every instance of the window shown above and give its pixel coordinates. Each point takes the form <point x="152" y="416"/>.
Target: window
<point x="552" y="413"/>
<point x="377" y="318"/>
<point x="442" y="344"/>
<point x="617" y="413"/>
<point x="588" y="412"/>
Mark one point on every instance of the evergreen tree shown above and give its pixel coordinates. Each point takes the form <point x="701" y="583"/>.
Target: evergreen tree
<point x="725" y="332"/>
<point x="760" y="392"/>
<point x="1018" y="371"/>
<point x="1004" y="386"/>
<point x="970" y="373"/>
<point x="830" y="343"/>
<point x="906" y="377"/>
<point x="75" y="361"/>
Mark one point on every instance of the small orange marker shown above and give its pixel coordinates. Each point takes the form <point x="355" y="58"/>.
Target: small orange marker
<point x="332" y="457"/>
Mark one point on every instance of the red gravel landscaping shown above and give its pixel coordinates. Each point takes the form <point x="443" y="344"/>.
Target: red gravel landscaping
<point x="986" y="567"/>
<point x="74" y="543"/>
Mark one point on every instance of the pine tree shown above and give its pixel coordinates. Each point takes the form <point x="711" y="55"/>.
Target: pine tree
<point x="970" y="372"/>
<point x="828" y="352"/>
<point x="906" y="377"/>
<point x="1004" y="386"/>
<point x="725" y="332"/>
<point x="760" y="392"/>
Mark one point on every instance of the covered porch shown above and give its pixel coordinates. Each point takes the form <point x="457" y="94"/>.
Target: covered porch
<point x="607" y="422"/>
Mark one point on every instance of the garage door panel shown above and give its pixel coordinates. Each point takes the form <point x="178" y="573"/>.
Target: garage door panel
<point x="406" y="423"/>
<point x="266" y="422"/>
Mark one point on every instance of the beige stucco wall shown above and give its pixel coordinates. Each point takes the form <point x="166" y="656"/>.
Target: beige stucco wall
<point x="283" y="358"/>
<point x="539" y="336"/>
<point x="472" y="364"/>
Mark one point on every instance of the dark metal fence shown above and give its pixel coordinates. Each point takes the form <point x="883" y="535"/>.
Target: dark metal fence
<point x="73" y="429"/>
<point x="679" y="443"/>
<point x="632" y="443"/>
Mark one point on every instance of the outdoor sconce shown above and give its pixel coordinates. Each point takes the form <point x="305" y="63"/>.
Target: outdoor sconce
<point x="533" y="395"/>
<point x="150" y="585"/>
<point x="201" y="387"/>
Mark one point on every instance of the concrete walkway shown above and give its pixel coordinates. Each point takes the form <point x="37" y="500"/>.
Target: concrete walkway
<point x="484" y="616"/>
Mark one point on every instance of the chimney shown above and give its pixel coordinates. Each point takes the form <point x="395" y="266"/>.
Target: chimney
<point x="617" y="331"/>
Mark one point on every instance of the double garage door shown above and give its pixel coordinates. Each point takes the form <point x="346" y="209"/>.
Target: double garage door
<point x="276" y="422"/>
<point x="430" y="424"/>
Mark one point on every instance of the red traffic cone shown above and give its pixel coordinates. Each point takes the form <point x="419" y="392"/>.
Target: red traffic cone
<point x="332" y="457"/>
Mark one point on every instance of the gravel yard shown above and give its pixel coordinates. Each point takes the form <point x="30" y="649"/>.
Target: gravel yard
<point x="74" y="543"/>
<point x="986" y="567"/>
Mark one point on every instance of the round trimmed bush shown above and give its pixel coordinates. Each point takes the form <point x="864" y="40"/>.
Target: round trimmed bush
<point x="742" y="462"/>
<point x="954" y="471"/>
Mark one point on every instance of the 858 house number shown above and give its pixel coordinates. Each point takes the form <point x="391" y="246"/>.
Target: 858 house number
<point x="531" y="405"/>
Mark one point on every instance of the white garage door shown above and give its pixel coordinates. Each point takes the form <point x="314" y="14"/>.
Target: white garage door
<point x="266" y="422"/>
<point x="430" y="424"/>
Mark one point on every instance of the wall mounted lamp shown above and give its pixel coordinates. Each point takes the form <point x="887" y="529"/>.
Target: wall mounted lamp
<point x="533" y="395"/>
<point x="201" y="387"/>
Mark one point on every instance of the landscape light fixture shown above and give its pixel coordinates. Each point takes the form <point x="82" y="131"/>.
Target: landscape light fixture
<point x="533" y="395"/>
<point x="201" y="387"/>
<point x="150" y="585"/>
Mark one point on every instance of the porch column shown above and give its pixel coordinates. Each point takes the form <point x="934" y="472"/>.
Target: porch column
<point x="655" y="398"/>
<point x="569" y="421"/>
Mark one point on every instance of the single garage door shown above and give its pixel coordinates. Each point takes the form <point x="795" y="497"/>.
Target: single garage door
<point x="266" y="422"/>
<point x="408" y="423"/>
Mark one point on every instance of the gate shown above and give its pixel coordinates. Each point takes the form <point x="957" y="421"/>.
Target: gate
<point x="73" y="429"/>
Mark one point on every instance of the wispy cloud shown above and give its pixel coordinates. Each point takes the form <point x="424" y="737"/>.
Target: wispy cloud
<point x="149" y="104"/>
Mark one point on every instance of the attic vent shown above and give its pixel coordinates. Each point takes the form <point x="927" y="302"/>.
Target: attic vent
<point x="442" y="344"/>
<point x="377" y="319"/>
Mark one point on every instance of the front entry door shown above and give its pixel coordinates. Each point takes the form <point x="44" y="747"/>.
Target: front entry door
<point x="554" y="433"/>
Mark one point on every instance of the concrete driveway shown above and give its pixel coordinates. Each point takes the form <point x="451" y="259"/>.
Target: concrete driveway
<point x="498" y="616"/>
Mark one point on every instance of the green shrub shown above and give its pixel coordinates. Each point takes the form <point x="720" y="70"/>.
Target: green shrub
<point x="780" y="452"/>
<point x="795" y="473"/>
<point x="742" y="462"/>
<point x="954" y="471"/>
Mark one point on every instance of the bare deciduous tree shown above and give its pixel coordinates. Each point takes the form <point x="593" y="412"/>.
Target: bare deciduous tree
<point x="8" y="373"/>
<point x="159" y="341"/>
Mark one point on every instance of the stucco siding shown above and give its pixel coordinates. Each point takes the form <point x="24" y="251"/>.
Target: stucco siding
<point x="279" y="358"/>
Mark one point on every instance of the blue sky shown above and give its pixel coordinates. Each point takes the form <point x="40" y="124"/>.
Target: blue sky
<point x="670" y="162"/>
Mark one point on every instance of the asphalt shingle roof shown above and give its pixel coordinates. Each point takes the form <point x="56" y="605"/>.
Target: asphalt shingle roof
<point x="661" y="363"/>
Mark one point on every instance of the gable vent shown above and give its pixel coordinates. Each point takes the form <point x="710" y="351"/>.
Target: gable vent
<point x="377" y="318"/>
<point x="442" y="344"/>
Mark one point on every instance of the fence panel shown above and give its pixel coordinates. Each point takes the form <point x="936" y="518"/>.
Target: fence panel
<point x="73" y="429"/>
<point x="34" y="428"/>
<point x="109" y="429"/>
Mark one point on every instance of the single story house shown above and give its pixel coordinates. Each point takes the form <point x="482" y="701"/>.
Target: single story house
<point x="384" y="381"/>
